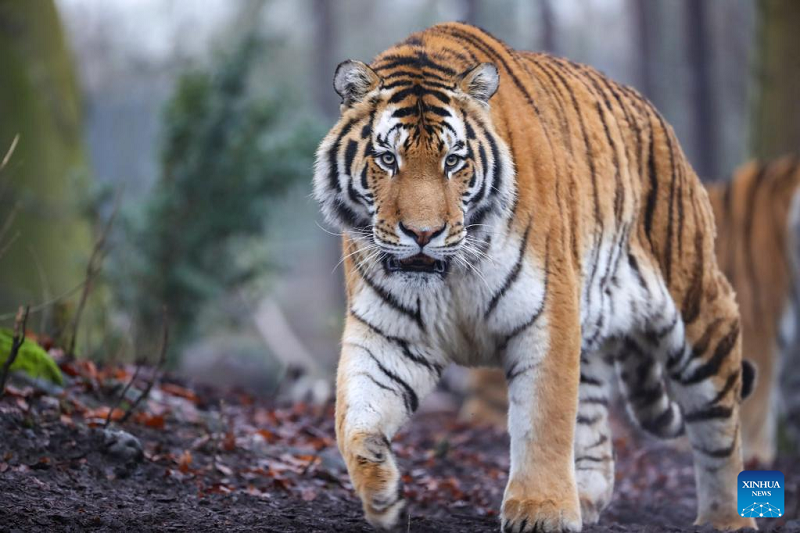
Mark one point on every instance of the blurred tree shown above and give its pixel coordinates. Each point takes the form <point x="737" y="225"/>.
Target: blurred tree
<point x="45" y="178"/>
<point x="703" y="103"/>
<point x="646" y="41"/>
<point x="226" y="153"/>
<point x="471" y="11"/>
<point x="324" y="53"/>
<point x="548" y="39"/>
<point x="776" y="113"/>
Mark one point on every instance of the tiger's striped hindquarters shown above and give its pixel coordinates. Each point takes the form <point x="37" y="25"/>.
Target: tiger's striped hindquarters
<point x="502" y="208"/>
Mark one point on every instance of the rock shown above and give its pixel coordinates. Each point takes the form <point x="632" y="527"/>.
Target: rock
<point x="122" y="445"/>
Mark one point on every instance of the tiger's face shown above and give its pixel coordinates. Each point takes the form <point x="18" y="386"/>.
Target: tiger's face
<point x="413" y="172"/>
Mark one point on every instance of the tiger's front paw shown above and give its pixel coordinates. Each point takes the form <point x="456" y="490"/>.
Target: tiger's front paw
<point x="376" y="479"/>
<point x="540" y="515"/>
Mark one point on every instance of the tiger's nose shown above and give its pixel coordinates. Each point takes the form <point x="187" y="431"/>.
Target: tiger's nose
<point x="421" y="236"/>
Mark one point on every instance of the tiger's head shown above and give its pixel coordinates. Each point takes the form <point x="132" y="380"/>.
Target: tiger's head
<point x="413" y="171"/>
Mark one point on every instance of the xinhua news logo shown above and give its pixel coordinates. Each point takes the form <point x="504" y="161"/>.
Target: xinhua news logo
<point x="760" y="493"/>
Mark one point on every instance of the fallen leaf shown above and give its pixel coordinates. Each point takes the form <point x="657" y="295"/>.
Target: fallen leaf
<point x="185" y="461"/>
<point x="223" y="469"/>
<point x="229" y="442"/>
<point x="182" y="392"/>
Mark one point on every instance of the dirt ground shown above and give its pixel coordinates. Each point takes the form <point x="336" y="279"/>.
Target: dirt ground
<point x="210" y="461"/>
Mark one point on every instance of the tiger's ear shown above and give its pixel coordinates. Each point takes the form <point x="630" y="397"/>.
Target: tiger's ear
<point x="480" y="82"/>
<point x="353" y="81"/>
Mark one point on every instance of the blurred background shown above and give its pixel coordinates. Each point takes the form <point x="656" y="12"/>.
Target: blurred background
<point x="159" y="153"/>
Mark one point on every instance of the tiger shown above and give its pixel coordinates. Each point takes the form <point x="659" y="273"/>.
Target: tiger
<point x="510" y="208"/>
<point x="757" y="213"/>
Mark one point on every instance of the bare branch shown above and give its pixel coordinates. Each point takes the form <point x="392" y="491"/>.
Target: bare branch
<point x="7" y="245"/>
<point x="19" y="338"/>
<point x="10" y="152"/>
<point x="122" y="396"/>
<point x="162" y="358"/>
<point x="45" y="305"/>
<point x="92" y="269"/>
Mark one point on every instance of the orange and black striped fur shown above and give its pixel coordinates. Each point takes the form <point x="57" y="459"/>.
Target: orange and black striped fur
<point x="758" y="224"/>
<point x="514" y="209"/>
<point x="758" y="213"/>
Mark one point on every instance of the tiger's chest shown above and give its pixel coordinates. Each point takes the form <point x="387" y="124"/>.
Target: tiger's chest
<point x="471" y="317"/>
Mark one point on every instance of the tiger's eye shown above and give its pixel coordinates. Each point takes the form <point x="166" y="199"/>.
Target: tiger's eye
<point x="388" y="159"/>
<point x="452" y="160"/>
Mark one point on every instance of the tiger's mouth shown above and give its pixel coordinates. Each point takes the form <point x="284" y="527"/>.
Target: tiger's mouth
<point x="416" y="263"/>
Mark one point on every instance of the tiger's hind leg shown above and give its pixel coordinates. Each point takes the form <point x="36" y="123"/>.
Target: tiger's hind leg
<point x="594" y="454"/>
<point x="705" y="375"/>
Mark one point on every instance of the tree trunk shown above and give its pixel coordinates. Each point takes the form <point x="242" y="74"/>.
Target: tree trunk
<point x="548" y="42"/>
<point x="703" y="104"/>
<point x="324" y="60"/>
<point x="45" y="177"/>
<point x="471" y="11"/>
<point x="776" y="113"/>
<point x="645" y="42"/>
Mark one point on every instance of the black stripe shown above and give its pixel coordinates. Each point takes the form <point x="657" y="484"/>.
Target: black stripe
<point x="333" y="166"/>
<point x="405" y="111"/>
<point x="650" y="208"/>
<point x="468" y="127"/>
<point x="690" y="309"/>
<point x="391" y="300"/>
<point x="590" y="380"/>
<point x="403" y="344"/>
<point x="595" y="400"/>
<point x="698" y="348"/>
<point x="711" y="368"/>
<point x="379" y="384"/>
<point x="436" y="110"/>
<point x="512" y="276"/>
<point x="720" y="453"/>
<point x="418" y="91"/>
<point x="349" y="156"/>
<point x="670" y="217"/>
<point x="484" y="164"/>
<point x="730" y="383"/>
<point x="486" y="48"/>
<point x="538" y="312"/>
<point x="513" y="373"/>
<point x="709" y="413"/>
<point x="348" y="217"/>
<point x="659" y="423"/>
<point x="646" y="396"/>
<point x="419" y="61"/>
<point x="602" y="440"/>
<point x="409" y="396"/>
<point x="593" y="459"/>
<point x="587" y="420"/>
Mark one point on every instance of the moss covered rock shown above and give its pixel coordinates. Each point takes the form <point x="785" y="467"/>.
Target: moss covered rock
<point x="31" y="359"/>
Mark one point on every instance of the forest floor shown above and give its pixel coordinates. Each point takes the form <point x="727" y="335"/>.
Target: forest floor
<point x="198" y="459"/>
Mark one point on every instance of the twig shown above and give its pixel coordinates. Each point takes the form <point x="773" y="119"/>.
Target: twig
<point x="162" y="357"/>
<point x="8" y="221"/>
<point x="92" y="269"/>
<point x="10" y="152"/>
<point x="7" y="245"/>
<point x="19" y="338"/>
<point x="46" y="295"/>
<point x="124" y="392"/>
<point x="45" y="305"/>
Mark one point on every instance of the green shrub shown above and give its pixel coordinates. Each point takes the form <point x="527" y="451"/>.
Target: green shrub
<point x="226" y="152"/>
